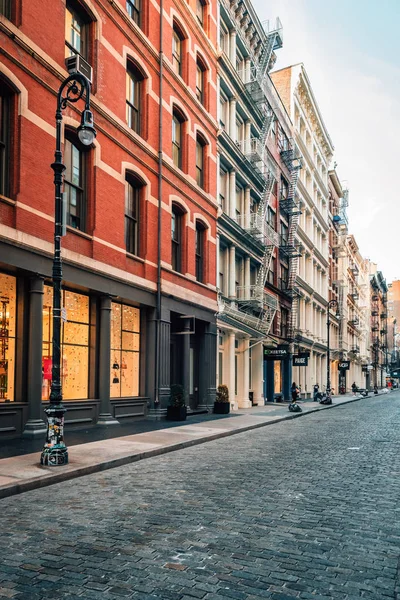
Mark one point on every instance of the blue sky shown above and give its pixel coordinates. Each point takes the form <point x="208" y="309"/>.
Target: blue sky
<point x="351" y="51"/>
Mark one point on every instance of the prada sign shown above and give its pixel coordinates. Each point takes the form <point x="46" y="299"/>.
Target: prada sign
<point x="344" y="365"/>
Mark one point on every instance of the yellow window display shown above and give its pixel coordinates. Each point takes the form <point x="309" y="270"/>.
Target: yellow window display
<point x="125" y="346"/>
<point x="8" y="297"/>
<point x="74" y="345"/>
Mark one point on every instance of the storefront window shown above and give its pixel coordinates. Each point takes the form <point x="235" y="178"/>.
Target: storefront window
<point x="278" y="375"/>
<point x="74" y="344"/>
<point x="8" y="295"/>
<point x="125" y="346"/>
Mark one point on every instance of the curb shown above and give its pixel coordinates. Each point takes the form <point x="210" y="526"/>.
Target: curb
<point x="37" y="483"/>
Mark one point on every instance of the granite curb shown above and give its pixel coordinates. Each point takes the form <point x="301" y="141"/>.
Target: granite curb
<point x="59" y="476"/>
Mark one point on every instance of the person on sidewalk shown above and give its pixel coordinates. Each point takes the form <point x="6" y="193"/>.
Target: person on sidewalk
<point x="354" y="388"/>
<point x="295" y="392"/>
<point x="316" y="391"/>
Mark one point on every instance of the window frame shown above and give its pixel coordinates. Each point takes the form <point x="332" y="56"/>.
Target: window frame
<point x="200" y="10"/>
<point x="200" y="251"/>
<point x="177" y="141"/>
<point x="133" y="75"/>
<point x="6" y="127"/>
<point x="200" y="77"/>
<point x="6" y="9"/>
<point x="71" y="139"/>
<point x="133" y="11"/>
<point x="132" y="217"/>
<point x="177" y="40"/>
<point x="200" y="168"/>
<point x="176" y="238"/>
<point x="84" y="21"/>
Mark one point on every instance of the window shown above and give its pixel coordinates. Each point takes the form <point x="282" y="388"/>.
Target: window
<point x="239" y="130"/>
<point x="176" y="238"/>
<point x="200" y="71"/>
<point x="8" y="303"/>
<point x="271" y="218"/>
<point x="133" y="100"/>
<point x="284" y="234"/>
<point x="284" y="322"/>
<point x="177" y="51"/>
<point x="284" y="189"/>
<point x="223" y="111"/>
<point x="125" y="347"/>
<point x="200" y="233"/>
<point x="238" y="198"/>
<point x="284" y="277"/>
<point x="223" y="189"/>
<point x="132" y="215"/>
<point x="224" y="37"/>
<point x="177" y="121"/>
<point x="200" y="162"/>
<point x="200" y="12"/>
<point x="271" y="272"/>
<point x="133" y="10"/>
<point x="74" y="345"/>
<point x="6" y="96"/>
<point x="75" y="185"/>
<point x="76" y="31"/>
<point x="5" y="8"/>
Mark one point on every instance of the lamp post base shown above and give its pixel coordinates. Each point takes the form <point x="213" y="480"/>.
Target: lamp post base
<point x="55" y="452"/>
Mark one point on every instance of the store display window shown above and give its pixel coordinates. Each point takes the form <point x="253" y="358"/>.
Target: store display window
<point x="8" y="298"/>
<point x="125" y="346"/>
<point x="74" y="344"/>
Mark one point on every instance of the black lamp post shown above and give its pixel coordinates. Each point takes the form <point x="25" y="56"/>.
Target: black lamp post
<point x="331" y="304"/>
<point x="74" y="87"/>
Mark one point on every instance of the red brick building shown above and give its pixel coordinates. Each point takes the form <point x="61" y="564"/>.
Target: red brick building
<point x="129" y="293"/>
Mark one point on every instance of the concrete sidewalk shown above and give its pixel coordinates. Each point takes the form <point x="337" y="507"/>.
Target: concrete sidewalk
<point x="22" y="473"/>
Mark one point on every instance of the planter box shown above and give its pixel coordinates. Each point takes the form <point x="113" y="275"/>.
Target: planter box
<point x="222" y="408"/>
<point x="176" y="413"/>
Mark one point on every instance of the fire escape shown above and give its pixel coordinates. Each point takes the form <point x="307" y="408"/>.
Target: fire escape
<point x="290" y="248"/>
<point x="255" y="307"/>
<point x="375" y="323"/>
<point x="341" y="224"/>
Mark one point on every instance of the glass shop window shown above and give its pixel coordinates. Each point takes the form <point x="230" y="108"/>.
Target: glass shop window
<point x="8" y="297"/>
<point x="74" y="344"/>
<point x="125" y="346"/>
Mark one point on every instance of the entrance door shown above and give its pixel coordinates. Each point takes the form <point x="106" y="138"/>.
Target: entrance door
<point x="194" y="374"/>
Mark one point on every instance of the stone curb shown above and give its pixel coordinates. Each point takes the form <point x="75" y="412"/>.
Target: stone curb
<point x="36" y="483"/>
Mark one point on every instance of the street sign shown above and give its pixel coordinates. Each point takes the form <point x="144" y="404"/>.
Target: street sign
<point x="299" y="360"/>
<point x="276" y="353"/>
<point x="344" y="365"/>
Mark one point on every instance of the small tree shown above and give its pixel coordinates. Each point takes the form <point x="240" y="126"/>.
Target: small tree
<point x="222" y="393"/>
<point x="177" y="395"/>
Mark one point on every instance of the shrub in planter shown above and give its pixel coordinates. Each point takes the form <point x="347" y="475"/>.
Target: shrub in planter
<point x="176" y="411"/>
<point x="222" y="405"/>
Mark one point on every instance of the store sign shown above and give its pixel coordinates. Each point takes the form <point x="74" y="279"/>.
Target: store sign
<point x="344" y="365"/>
<point x="276" y="353"/>
<point x="300" y="360"/>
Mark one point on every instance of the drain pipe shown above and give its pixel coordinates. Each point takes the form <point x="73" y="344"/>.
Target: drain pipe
<point x="160" y="160"/>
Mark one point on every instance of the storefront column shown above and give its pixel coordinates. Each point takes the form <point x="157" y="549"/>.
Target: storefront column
<point x="231" y="369"/>
<point x="105" y="416"/>
<point x="208" y="367"/>
<point x="35" y="426"/>
<point x="244" y="401"/>
<point x="232" y="195"/>
<point x="186" y="358"/>
<point x="257" y="374"/>
<point x="287" y="377"/>
<point x="270" y="380"/>
<point x="158" y="409"/>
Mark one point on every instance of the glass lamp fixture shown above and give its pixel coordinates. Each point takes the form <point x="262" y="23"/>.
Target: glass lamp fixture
<point x="86" y="131"/>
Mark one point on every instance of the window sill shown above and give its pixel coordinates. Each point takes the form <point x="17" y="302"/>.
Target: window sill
<point x="134" y="257"/>
<point x="6" y="200"/>
<point x="79" y="232"/>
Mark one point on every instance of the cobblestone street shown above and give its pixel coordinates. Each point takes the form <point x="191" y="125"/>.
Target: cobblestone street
<point x="306" y="508"/>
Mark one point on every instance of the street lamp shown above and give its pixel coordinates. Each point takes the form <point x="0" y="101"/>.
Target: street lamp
<point x="331" y="304"/>
<point x="55" y="451"/>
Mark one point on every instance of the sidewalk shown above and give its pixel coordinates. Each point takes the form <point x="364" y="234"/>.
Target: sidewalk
<point x="23" y="472"/>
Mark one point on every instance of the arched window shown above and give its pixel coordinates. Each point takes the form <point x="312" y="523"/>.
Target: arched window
<point x="133" y="9"/>
<point x="200" y="246"/>
<point x="134" y="79"/>
<point x="200" y="151"/>
<point x="77" y="30"/>
<point x="200" y="10"/>
<point x="177" y="137"/>
<point x="7" y="97"/>
<point x="5" y="8"/>
<point x="200" y="80"/>
<point x="76" y="159"/>
<point x="176" y="237"/>
<point x="132" y="214"/>
<point x="178" y="37"/>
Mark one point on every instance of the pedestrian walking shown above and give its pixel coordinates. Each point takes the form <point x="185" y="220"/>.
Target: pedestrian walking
<point x="295" y="391"/>
<point x="354" y="388"/>
<point x="316" y="391"/>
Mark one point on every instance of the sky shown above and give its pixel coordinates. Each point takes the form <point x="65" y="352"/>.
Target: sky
<point x="351" y="52"/>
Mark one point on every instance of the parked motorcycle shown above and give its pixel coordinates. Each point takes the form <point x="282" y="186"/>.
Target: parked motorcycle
<point x="324" y="398"/>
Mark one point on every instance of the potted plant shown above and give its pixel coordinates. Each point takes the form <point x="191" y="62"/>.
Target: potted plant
<point x="176" y="411"/>
<point x="222" y="405"/>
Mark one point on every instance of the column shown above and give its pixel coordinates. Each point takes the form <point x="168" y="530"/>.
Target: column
<point x="270" y="380"/>
<point x="247" y="137"/>
<point x="232" y="118"/>
<point x="159" y="399"/>
<point x="232" y="195"/>
<point x="258" y="373"/>
<point x="231" y="369"/>
<point x="247" y="277"/>
<point x="287" y="377"/>
<point x="35" y="426"/>
<point x="105" y="416"/>
<point x="247" y="63"/>
<point x="247" y="207"/>
<point x="186" y="358"/>
<point x="232" y="273"/>
<point x="232" y="47"/>
<point x="208" y="367"/>
<point x="244" y="401"/>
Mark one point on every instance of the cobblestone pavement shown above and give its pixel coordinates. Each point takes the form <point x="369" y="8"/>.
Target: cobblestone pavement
<point x="306" y="508"/>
